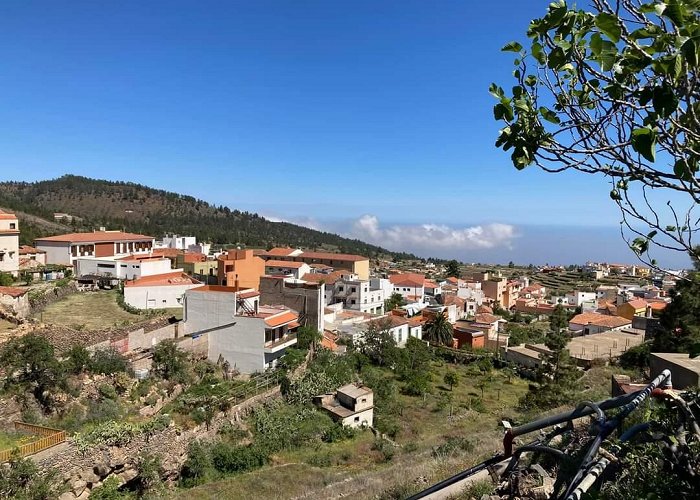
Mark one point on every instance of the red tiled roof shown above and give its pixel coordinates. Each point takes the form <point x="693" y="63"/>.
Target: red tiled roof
<point x="638" y="303"/>
<point x="219" y="288"/>
<point x="165" y="279"/>
<point x="12" y="291"/>
<point x="286" y="252"/>
<point x="281" y="319"/>
<point x="430" y="284"/>
<point x="96" y="237"/>
<point x="486" y="318"/>
<point x="328" y="279"/>
<point x="414" y="280"/>
<point x="596" y="319"/>
<point x="26" y="249"/>
<point x="283" y="263"/>
<point x="6" y="216"/>
<point x="165" y="252"/>
<point x="248" y="295"/>
<point x="194" y="257"/>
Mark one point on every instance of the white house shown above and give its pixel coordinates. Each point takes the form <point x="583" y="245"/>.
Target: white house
<point x="67" y="248"/>
<point x="352" y="405"/>
<point x="577" y="298"/>
<point x="248" y="336"/>
<point x="160" y="291"/>
<point x="281" y="267"/>
<point x="179" y="242"/>
<point x="411" y="286"/>
<point x="126" y="268"/>
<point x="359" y="295"/>
<point x="9" y="243"/>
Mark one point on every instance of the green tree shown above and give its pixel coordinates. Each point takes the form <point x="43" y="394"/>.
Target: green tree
<point x="78" y="359"/>
<point x="378" y="344"/>
<point x="679" y="323"/>
<point x="308" y="336"/>
<point x="453" y="268"/>
<point x="169" y="362"/>
<point x="30" y="363"/>
<point x="20" y="479"/>
<point x="438" y="330"/>
<point x="415" y="357"/>
<point x="613" y="91"/>
<point x="394" y="301"/>
<point x="451" y="378"/>
<point x="6" y="279"/>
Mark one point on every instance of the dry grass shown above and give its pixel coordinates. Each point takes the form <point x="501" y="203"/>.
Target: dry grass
<point x="6" y="326"/>
<point x="352" y="469"/>
<point x="88" y="311"/>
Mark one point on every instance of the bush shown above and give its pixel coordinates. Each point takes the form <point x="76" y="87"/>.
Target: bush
<point x="108" y="362"/>
<point x="21" y="479"/>
<point x="103" y="411"/>
<point x="636" y="357"/>
<point x="197" y="467"/>
<point x="338" y="432"/>
<point x="109" y="490"/>
<point x="107" y="391"/>
<point x="169" y="362"/>
<point x="149" y="473"/>
<point x="451" y="445"/>
<point x="228" y="458"/>
<point x="387" y="425"/>
<point x="78" y="359"/>
<point x="384" y="447"/>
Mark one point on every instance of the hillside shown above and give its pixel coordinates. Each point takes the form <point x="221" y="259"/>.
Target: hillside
<point x="137" y="208"/>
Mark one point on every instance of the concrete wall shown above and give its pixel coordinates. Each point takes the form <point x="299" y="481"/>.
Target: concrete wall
<point x="126" y="270"/>
<point x="156" y="297"/>
<point x="9" y="248"/>
<point x="56" y="252"/>
<point x="307" y="299"/>
<point x="365" y="418"/>
<point x="138" y="339"/>
<point x="18" y="305"/>
<point x="240" y="344"/>
<point x="682" y="376"/>
<point x="206" y="310"/>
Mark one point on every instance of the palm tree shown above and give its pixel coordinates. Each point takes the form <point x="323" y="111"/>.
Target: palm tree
<point x="438" y="330"/>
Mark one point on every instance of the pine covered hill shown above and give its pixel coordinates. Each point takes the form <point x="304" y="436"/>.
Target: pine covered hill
<point x="136" y="208"/>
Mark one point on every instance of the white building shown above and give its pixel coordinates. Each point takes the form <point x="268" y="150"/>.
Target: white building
<point x="352" y="405"/>
<point x="179" y="242"/>
<point x="248" y="336"/>
<point x="126" y="268"/>
<point x="65" y="249"/>
<point x="160" y="291"/>
<point x="9" y="243"/>
<point x="411" y="286"/>
<point x="359" y="295"/>
<point x="577" y="298"/>
<point x="295" y="270"/>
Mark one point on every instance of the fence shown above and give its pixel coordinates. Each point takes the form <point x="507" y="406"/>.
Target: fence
<point x="49" y="437"/>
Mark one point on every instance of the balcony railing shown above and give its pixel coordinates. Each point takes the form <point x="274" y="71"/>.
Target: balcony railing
<point x="286" y="341"/>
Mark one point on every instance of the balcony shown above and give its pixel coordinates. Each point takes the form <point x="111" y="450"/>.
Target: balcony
<point x="286" y="341"/>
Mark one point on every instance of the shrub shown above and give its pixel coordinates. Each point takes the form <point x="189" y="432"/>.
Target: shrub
<point x="169" y="362"/>
<point x="149" y="472"/>
<point x="198" y="465"/>
<point x="451" y="445"/>
<point x="108" y="490"/>
<point x="108" y="362"/>
<point x="78" y="359"/>
<point x="228" y="458"/>
<point x="636" y="357"/>
<point x="338" y="432"/>
<point x="385" y="448"/>
<point x="107" y="391"/>
<point x="102" y="411"/>
<point x="21" y="479"/>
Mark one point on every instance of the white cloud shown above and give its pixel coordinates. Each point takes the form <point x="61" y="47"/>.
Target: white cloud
<point x="436" y="236"/>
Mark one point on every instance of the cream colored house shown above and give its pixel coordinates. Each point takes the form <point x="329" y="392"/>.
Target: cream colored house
<point x="9" y="243"/>
<point x="352" y="405"/>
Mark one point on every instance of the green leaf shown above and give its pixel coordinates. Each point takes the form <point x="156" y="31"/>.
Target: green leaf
<point x="664" y="100"/>
<point x="503" y="112"/>
<point x="549" y="115"/>
<point x="682" y="170"/>
<point x="651" y="235"/>
<point x="644" y="143"/>
<point x="496" y="91"/>
<point x="691" y="51"/>
<point x="557" y="58"/>
<point x="615" y="195"/>
<point x="512" y="47"/>
<point x="610" y="25"/>
<point x="531" y="80"/>
<point x="675" y="11"/>
<point x="538" y="53"/>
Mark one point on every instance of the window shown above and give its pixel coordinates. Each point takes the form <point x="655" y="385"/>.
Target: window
<point x="13" y="225"/>
<point x="353" y="289"/>
<point x="357" y="419"/>
<point x="363" y="400"/>
<point x="341" y="288"/>
<point x="2" y="256"/>
<point x="353" y="301"/>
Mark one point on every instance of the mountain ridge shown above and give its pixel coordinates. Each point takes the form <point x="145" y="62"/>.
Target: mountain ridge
<point x="134" y="207"/>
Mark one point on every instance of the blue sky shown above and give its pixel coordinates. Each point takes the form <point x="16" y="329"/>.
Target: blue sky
<point x="314" y="111"/>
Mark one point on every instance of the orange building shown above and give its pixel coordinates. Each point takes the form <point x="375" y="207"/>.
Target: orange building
<point x="242" y="266"/>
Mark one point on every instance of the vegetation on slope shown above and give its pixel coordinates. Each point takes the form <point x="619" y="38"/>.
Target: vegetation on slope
<point x="137" y="208"/>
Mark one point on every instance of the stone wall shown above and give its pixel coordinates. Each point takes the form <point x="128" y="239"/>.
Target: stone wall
<point x="53" y="294"/>
<point x="83" y="472"/>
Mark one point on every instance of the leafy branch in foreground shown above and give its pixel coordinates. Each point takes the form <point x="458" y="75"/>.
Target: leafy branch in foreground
<point x="614" y="91"/>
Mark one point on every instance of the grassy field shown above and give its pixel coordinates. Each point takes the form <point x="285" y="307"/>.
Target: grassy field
<point x="6" y="325"/>
<point x="440" y="434"/>
<point x="88" y="311"/>
<point x="10" y="439"/>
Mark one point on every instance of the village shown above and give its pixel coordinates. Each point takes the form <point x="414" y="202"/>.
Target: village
<point x="260" y="316"/>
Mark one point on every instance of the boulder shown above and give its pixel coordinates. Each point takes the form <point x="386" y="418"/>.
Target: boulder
<point x="78" y="486"/>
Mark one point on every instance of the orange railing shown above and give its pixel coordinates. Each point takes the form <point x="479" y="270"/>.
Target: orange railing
<point x="48" y="437"/>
